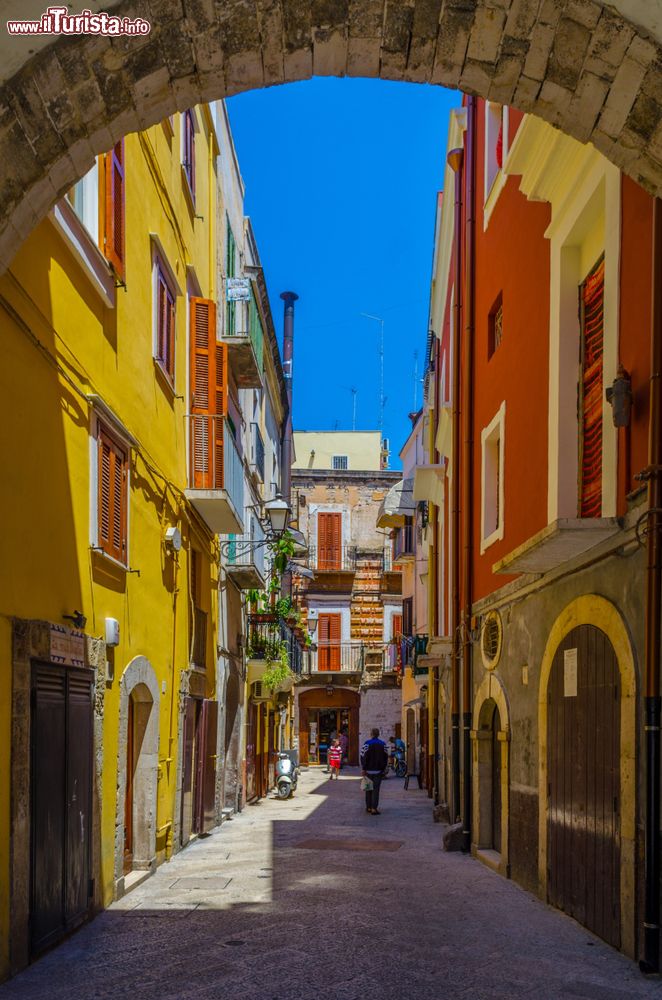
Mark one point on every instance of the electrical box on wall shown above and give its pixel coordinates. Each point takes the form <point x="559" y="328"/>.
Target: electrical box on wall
<point x="112" y="632"/>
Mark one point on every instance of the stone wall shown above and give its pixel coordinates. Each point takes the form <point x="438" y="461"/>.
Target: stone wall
<point x="578" y="64"/>
<point x="379" y="707"/>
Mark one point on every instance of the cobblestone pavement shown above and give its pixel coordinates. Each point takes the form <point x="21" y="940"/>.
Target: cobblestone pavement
<point x="313" y="898"/>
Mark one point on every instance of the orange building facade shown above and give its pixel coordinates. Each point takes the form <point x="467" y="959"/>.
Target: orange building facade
<point x="537" y="403"/>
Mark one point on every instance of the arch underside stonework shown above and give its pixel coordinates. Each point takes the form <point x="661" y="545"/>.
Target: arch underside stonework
<point x="578" y="64"/>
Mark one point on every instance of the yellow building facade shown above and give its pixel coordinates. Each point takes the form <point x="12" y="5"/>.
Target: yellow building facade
<point x="112" y="500"/>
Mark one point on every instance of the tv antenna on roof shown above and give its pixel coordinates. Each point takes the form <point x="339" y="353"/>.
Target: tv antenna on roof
<point x="415" y="381"/>
<point x="382" y="400"/>
<point x="354" y="392"/>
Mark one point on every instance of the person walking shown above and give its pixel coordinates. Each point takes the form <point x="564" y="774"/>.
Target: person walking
<point x="374" y="761"/>
<point x="335" y="759"/>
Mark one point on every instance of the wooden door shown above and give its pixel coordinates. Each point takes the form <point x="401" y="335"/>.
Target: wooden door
<point x="128" y="790"/>
<point x="583" y="767"/>
<point x="496" y="781"/>
<point x="188" y="782"/>
<point x="271" y="752"/>
<point x="328" y="645"/>
<point x="205" y="819"/>
<point x="251" y="751"/>
<point x="264" y="753"/>
<point x="61" y="740"/>
<point x="426" y="778"/>
<point x="329" y="541"/>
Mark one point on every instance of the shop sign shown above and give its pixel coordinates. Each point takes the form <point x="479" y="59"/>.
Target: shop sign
<point x="238" y="289"/>
<point x="67" y="647"/>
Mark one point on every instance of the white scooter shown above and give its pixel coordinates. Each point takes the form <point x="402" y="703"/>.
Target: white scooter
<point x="287" y="776"/>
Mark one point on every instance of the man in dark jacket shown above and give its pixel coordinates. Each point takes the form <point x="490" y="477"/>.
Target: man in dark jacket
<point x="374" y="760"/>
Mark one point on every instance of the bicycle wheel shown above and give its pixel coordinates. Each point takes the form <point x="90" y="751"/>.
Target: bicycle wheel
<point x="400" y="769"/>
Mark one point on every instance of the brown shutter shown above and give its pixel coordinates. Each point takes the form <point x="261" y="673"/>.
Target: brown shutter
<point x="396" y="626"/>
<point x="208" y="396"/>
<point x="330" y="630"/>
<point x="112" y="497"/>
<point x="114" y="232"/>
<point x="329" y="541"/>
<point x="592" y="314"/>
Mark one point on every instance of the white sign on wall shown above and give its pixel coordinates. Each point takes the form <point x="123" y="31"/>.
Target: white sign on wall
<point x="570" y="673"/>
<point x="238" y="289"/>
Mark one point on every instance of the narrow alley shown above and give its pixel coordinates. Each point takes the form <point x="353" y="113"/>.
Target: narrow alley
<point x="311" y="897"/>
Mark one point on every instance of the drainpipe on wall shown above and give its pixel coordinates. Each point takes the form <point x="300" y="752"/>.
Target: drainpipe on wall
<point x="455" y="161"/>
<point x="289" y="298"/>
<point x="434" y="623"/>
<point x="651" y="959"/>
<point x="467" y="464"/>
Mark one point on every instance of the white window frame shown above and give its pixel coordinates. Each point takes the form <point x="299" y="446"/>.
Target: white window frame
<point x="160" y="259"/>
<point x="81" y="233"/>
<point x="494" y="431"/>
<point x="103" y="417"/>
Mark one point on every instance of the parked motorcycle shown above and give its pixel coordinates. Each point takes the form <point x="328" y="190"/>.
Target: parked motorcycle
<point x="287" y="776"/>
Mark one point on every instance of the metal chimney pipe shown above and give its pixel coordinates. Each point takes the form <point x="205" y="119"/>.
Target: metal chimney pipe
<point x="289" y="298"/>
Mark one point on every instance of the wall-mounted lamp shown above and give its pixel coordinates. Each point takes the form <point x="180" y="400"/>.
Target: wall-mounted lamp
<point x="619" y="394"/>
<point x="330" y="689"/>
<point x="78" y="619"/>
<point x="313" y="618"/>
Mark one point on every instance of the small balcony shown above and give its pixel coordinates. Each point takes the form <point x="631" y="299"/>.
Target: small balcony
<point x="246" y="558"/>
<point x="333" y="559"/>
<point x="339" y="658"/>
<point x="403" y="544"/>
<point x="246" y="350"/>
<point x="216" y="474"/>
<point x="266" y="634"/>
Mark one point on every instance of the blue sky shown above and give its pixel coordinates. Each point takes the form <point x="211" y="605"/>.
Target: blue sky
<point x="341" y="178"/>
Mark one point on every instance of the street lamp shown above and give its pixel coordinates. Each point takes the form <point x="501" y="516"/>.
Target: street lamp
<point x="278" y="512"/>
<point x="313" y="617"/>
<point x="276" y="516"/>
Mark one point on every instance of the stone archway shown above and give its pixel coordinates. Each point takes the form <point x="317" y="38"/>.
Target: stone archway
<point x="139" y="708"/>
<point x="491" y="775"/>
<point x="579" y="64"/>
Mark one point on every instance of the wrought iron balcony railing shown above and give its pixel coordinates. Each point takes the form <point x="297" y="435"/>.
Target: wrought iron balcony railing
<point x="330" y="559"/>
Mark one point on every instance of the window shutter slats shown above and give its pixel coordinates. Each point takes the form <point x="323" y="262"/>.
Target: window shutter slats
<point x="114" y="232"/>
<point x="592" y="311"/>
<point x="112" y="497"/>
<point x="209" y="391"/>
<point x="329" y="539"/>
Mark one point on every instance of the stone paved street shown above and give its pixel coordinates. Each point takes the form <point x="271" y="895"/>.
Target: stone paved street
<point x="251" y="913"/>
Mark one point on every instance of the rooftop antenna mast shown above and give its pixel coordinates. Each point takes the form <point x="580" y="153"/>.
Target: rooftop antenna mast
<point x="353" y="391"/>
<point x="382" y="398"/>
<point x="415" y="381"/>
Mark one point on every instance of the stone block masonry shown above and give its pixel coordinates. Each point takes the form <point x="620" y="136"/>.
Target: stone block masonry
<point x="379" y="707"/>
<point x="579" y="64"/>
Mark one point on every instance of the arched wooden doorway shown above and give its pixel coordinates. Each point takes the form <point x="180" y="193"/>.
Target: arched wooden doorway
<point x="584" y="782"/>
<point x="490" y="784"/>
<point x="344" y="703"/>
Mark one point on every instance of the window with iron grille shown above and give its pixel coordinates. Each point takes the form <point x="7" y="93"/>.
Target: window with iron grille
<point x="340" y="462"/>
<point x="188" y="151"/>
<point x="495" y="326"/>
<point x="165" y="325"/>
